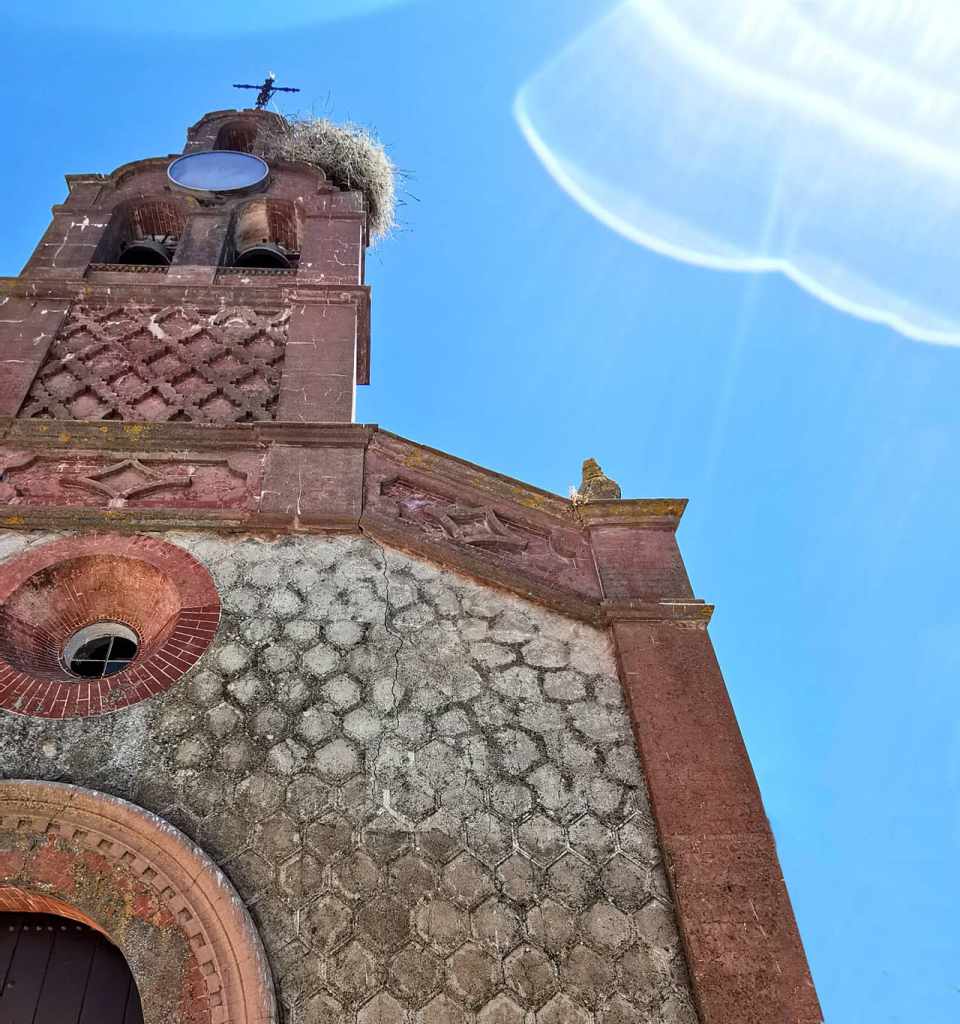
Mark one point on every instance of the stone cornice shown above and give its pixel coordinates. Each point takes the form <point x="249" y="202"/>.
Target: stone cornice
<point x="693" y="611"/>
<point x="420" y="458"/>
<point x="142" y="287"/>
<point x="647" y="512"/>
<point x="114" y="435"/>
<point x="604" y="562"/>
<point x="471" y="562"/>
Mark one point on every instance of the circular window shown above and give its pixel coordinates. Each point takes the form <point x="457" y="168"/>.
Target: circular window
<point x="101" y="649"/>
<point x="93" y="624"/>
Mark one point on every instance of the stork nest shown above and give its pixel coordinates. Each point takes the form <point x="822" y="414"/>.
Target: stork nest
<point x="350" y="156"/>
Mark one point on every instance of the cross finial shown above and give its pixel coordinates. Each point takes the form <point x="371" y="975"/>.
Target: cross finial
<point x="266" y="90"/>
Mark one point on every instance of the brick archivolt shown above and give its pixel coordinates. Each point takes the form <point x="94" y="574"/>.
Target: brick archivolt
<point x="131" y="362"/>
<point x="185" y="933"/>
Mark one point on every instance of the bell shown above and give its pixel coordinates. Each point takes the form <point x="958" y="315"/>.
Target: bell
<point x="264" y="234"/>
<point x="145" y="252"/>
<point x="264" y="255"/>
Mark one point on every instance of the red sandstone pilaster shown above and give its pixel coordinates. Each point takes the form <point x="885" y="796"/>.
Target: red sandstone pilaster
<point x="635" y="548"/>
<point x="27" y="327"/>
<point x="313" y="486"/>
<point x="68" y="245"/>
<point x="198" y="255"/>
<point x="744" y="952"/>
<point x="332" y="247"/>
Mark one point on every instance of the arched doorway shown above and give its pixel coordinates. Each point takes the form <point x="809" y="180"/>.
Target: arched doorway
<point x="58" y="971"/>
<point x="117" y="869"/>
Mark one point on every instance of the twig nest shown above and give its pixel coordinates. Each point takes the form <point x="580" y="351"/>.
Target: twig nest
<point x="350" y="156"/>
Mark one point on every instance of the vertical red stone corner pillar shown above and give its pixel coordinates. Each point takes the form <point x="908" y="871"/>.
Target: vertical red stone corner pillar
<point x="744" y="952"/>
<point x="72" y="237"/>
<point x="334" y="240"/>
<point x="27" y="329"/>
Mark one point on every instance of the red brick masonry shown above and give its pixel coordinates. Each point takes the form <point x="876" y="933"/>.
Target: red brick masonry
<point x="49" y="593"/>
<point x="193" y="950"/>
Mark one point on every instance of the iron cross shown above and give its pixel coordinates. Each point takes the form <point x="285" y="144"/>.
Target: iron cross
<point x="266" y="90"/>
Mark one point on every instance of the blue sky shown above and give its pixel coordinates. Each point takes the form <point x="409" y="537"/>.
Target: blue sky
<point x="513" y="329"/>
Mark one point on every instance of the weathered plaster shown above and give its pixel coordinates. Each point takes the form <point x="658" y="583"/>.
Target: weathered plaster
<point x="425" y="790"/>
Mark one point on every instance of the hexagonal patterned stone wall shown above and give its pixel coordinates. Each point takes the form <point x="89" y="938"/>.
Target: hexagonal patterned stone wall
<point x="425" y="790"/>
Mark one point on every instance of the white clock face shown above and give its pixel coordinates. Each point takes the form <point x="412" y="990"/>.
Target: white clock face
<point x="218" y="170"/>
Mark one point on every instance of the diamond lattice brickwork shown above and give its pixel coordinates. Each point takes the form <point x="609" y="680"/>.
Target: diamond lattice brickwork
<point x="177" y="363"/>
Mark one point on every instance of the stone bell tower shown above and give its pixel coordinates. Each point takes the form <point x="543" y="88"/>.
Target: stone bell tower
<point x="184" y="257"/>
<point x="313" y="723"/>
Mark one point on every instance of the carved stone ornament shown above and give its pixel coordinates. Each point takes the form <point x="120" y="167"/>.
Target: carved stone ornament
<point x="57" y="479"/>
<point x="123" y="480"/>
<point x="478" y="526"/>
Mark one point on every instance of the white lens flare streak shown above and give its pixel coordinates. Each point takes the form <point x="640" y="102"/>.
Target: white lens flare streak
<point x="818" y="138"/>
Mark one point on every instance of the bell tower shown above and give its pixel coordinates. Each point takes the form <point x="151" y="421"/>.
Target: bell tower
<point x="214" y="289"/>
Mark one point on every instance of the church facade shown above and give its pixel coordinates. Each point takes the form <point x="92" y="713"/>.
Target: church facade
<point x="314" y="723"/>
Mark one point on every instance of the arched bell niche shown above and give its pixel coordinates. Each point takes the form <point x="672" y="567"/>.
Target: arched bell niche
<point x="239" y="136"/>
<point x="266" y="234"/>
<point x="143" y="232"/>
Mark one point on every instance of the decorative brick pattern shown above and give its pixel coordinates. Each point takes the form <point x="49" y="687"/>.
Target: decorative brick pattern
<point x="226" y="272"/>
<point x="425" y="790"/>
<point x="134" y="362"/>
<point x="126" y="268"/>
<point x="156" y="589"/>
<point x="191" y="946"/>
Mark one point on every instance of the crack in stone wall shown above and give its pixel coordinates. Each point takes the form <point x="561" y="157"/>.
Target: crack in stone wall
<point x="425" y="790"/>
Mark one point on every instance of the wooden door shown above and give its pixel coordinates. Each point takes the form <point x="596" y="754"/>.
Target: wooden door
<point x="57" y="971"/>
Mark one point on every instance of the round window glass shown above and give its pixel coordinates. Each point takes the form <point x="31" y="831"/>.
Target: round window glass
<point x="218" y="170"/>
<point x="101" y="649"/>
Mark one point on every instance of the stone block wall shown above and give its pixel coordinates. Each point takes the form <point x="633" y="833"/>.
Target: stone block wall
<point x="425" y="790"/>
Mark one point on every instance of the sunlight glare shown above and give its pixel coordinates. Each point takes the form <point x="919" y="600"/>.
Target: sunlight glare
<point x="818" y="138"/>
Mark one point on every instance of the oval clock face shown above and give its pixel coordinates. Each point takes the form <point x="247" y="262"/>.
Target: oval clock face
<point x="218" y="170"/>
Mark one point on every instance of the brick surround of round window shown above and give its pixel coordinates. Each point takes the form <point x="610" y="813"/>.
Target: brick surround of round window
<point x="48" y="594"/>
